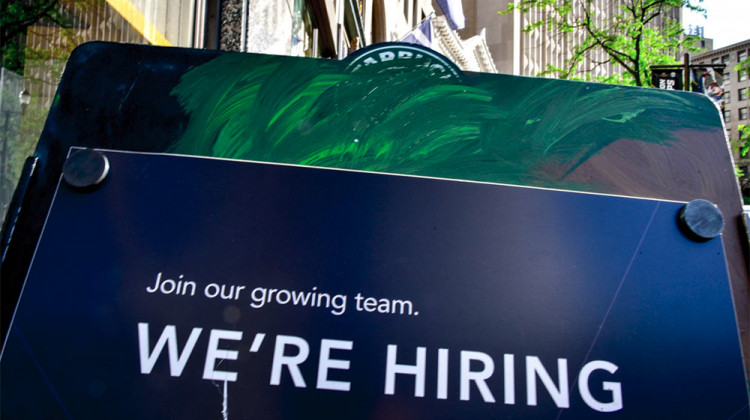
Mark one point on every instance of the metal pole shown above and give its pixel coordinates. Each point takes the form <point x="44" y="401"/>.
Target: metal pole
<point x="243" y="36"/>
<point x="686" y="71"/>
<point x="3" y="161"/>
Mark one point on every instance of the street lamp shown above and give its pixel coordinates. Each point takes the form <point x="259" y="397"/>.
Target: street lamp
<point x="25" y="99"/>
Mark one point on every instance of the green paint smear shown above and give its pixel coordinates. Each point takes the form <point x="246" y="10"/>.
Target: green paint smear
<point x="492" y="128"/>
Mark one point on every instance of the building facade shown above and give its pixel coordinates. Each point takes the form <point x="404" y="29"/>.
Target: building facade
<point x="735" y="104"/>
<point x="311" y="28"/>
<point x="529" y="53"/>
<point x="335" y="28"/>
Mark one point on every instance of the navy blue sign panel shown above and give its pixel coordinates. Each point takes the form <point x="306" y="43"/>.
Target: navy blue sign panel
<point x="200" y="288"/>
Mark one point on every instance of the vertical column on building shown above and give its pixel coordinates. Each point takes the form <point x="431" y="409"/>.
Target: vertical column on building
<point x="230" y="23"/>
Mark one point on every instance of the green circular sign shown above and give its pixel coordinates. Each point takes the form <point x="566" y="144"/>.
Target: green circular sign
<point x="402" y="57"/>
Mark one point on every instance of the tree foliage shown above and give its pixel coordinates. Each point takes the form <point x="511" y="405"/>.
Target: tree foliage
<point x="15" y="18"/>
<point x="633" y="36"/>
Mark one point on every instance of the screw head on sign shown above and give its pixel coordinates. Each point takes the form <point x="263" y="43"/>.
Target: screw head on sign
<point x="701" y="220"/>
<point x="85" y="169"/>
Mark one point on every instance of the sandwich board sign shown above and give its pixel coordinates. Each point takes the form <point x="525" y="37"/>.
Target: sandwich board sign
<point x="373" y="238"/>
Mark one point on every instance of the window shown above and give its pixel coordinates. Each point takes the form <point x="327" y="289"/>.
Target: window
<point x="742" y="93"/>
<point x="409" y="12"/>
<point x="727" y="116"/>
<point x="715" y="61"/>
<point x="742" y="56"/>
<point x="727" y="97"/>
<point x="743" y="113"/>
<point x="728" y="68"/>
<point x="308" y="33"/>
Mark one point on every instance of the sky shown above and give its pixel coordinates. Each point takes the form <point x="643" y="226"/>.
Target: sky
<point x="727" y="22"/>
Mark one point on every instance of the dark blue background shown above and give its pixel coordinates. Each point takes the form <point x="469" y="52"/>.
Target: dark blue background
<point x="490" y="268"/>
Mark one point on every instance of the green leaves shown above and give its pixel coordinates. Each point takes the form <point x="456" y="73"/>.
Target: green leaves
<point x="628" y="37"/>
<point x="743" y="144"/>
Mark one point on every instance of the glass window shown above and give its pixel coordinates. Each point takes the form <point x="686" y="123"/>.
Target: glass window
<point x="45" y="46"/>
<point x="728" y="68"/>
<point x="742" y="93"/>
<point x="715" y="61"/>
<point x="742" y="73"/>
<point x="743" y="113"/>
<point x="310" y="34"/>
<point x="727" y="97"/>
<point x="727" y="116"/>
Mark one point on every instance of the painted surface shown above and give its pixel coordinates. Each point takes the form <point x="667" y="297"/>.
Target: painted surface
<point x="486" y="127"/>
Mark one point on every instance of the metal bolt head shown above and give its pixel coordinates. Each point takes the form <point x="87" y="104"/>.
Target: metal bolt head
<point x="85" y="169"/>
<point x="701" y="220"/>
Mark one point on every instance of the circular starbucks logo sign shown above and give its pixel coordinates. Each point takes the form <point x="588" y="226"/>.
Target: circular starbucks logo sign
<point x="393" y="57"/>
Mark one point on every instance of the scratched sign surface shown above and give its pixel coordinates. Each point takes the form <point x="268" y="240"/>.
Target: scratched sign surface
<point x="199" y="288"/>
